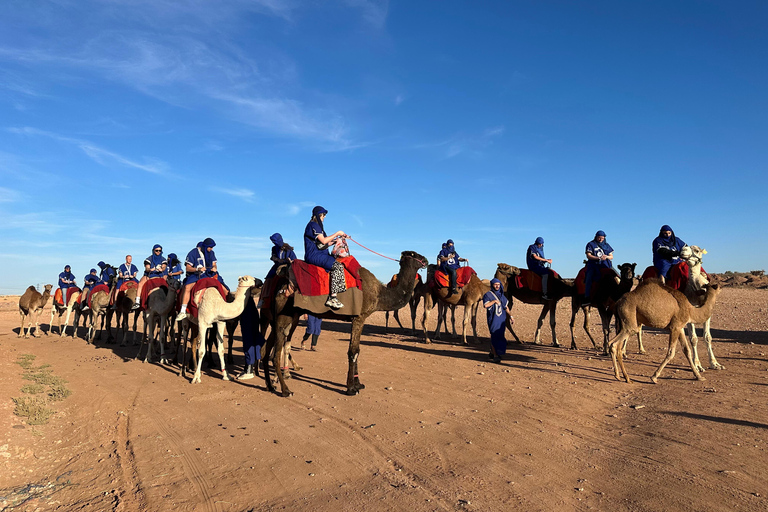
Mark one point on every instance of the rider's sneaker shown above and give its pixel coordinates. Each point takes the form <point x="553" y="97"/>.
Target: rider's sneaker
<point x="333" y="303"/>
<point x="135" y="306"/>
<point x="180" y="316"/>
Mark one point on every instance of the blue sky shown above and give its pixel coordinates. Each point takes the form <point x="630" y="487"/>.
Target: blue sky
<point x="125" y="124"/>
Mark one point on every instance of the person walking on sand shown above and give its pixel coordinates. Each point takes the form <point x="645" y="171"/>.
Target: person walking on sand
<point x="497" y="308"/>
<point x="314" y="327"/>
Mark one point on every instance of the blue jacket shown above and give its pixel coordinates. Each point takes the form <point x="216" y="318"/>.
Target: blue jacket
<point x="533" y="264"/>
<point x="312" y="253"/>
<point x="599" y="250"/>
<point x="66" y="279"/>
<point x="452" y="262"/>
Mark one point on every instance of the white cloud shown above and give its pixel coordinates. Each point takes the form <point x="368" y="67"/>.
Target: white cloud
<point x="296" y="208"/>
<point x="242" y="193"/>
<point x="8" y="195"/>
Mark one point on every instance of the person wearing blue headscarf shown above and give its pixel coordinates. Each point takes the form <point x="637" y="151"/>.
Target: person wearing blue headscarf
<point x="442" y="248"/>
<point x="497" y="308"/>
<point x="316" y="244"/>
<point x="107" y="273"/>
<point x="314" y="327"/>
<point x="199" y="263"/>
<point x="449" y="262"/>
<point x="666" y="250"/>
<point x="282" y="254"/>
<point x="154" y="266"/>
<point x="174" y="268"/>
<point x="599" y="255"/>
<point x="91" y="279"/>
<point x="534" y="258"/>
<point x="66" y="280"/>
<point x="252" y="339"/>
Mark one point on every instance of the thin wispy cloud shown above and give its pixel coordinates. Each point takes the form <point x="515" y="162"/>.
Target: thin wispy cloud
<point x="296" y="208"/>
<point x="472" y="145"/>
<point x="374" y="12"/>
<point x="97" y="154"/>
<point x="241" y="193"/>
<point x="8" y="195"/>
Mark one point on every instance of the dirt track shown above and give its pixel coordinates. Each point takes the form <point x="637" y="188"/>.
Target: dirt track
<point x="437" y="428"/>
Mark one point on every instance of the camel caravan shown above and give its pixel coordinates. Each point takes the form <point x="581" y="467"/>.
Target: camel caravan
<point x="188" y="303"/>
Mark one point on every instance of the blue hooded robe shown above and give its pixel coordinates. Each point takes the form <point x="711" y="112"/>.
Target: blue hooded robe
<point x="124" y="269"/>
<point x="154" y="261"/>
<point x="249" y="328"/>
<point x="533" y="264"/>
<point x="497" y="318"/>
<point x="593" y="266"/>
<point x="452" y="262"/>
<point x="279" y="255"/>
<point x="91" y="279"/>
<point x="664" y="249"/>
<point x="66" y="279"/>
<point x="314" y="324"/>
<point x="201" y="257"/>
<point x="107" y="272"/>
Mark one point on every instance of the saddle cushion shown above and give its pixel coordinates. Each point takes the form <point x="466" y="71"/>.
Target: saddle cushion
<point x="98" y="288"/>
<point x="678" y="275"/>
<point x="531" y="280"/>
<point x="57" y="294"/>
<point x="581" y="280"/>
<point x="463" y="275"/>
<point x="149" y="285"/>
<point x="313" y="280"/>
<point x="201" y="285"/>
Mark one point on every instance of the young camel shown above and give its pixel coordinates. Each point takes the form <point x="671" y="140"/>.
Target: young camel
<point x="213" y="309"/>
<point x="32" y="303"/>
<point x="376" y="297"/>
<point x="469" y="296"/>
<point x="656" y="305"/>
<point x="558" y="289"/>
<point x="58" y="308"/>
<point x="159" y="304"/>
<point x="608" y="290"/>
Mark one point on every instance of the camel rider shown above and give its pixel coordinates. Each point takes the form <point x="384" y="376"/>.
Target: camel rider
<point x="66" y="280"/>
<point x="666" y="251"/>
<point x="154" y="266"/>
<point x="282" y="254"/>
<point x="534" y="258"/>
<point x="599" y="256"/>
<point x="442" y="248"/>
<point x="108" y="272"/>
<point x="175" y="270"/>
<point x="200" y="263"/>
<point x="125" y="273"/>
<point x="449" y="262"/>
<point x="90" y="280"/>
<point x="316" y="244"/>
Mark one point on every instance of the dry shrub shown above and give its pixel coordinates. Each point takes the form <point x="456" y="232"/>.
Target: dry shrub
<point x="25" y="360"/>
<point x="33" y="408"/>
<point x="33" y="389"/>
<point x="58" y="392"/>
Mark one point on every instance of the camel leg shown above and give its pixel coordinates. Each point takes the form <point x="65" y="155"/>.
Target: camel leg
<point x="413" y="305"/>
<point x="441" y="314"/>
<point x="184" y="339"/>
<point x="220" y="342"/>
<point x="428" y="305"/>
<point x="708" y="340"/>
<point x="135" y="324"/>
<point x="201" y="335"/>
<point x="280" y="333"/>
<point x="50" y="324"/>
<point x="353" y="379"/>
<point x="453" y="322"/>
<point x="266" y="356"/>
<point x="640" y="347"/>
<point x="574" y="311"/>
<point x="694" y="344"/>
<point x="467" y="311"/>
<point x="163" y="332"/>
<point x="66" y="323"/>
<point x="21" y="329"/>
<point x="587" y="318"/>
<point x="36" y="332"/>
<point x="150" y="336"/>
<point x="673" y="339"/>
<point x="397" y="318"/>
<point x="475" y="307"/>
<point x="539" y="323"/>
<point x="552" y="309"/>
<point x="689" y="355"/>
<point x="614" y="347"/>
<point x="605" y="319"/>
<point x="141" y="345"/>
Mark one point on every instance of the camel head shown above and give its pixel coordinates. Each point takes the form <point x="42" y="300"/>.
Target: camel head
<point x="48" y="288"/>
<point x="693" y="254"/>
<point x="246" y="282"/>
<point x="172" y="283"/>
<point x="411" y="255"/>
<point x="507" y="270"/>
<point x="627" y="270"/>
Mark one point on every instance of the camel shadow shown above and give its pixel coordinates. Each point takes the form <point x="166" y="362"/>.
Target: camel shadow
<point x="726" y="336"/>
<point x="716" y="419"/>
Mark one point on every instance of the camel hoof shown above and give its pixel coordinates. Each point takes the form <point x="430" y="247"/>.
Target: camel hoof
<point x="700" y="378"/>
<point x="655" y="380"/>
<point x="556" y="344"/>
<point x="298" y="368"/>
<point x="574" y="347"/>
<point x="717" y="366"/>
<point x="286" y="393"/>
<point x="642" y="351"/>
<point x="352" y="392"/>
<point x="225" y="377"/>
<point x="360" y="386"/>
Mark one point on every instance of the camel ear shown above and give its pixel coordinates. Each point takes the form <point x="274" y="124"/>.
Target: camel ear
<point x="703" y="251"/>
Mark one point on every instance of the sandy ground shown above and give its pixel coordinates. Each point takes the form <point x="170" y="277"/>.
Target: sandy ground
<point x="437" y="428"/>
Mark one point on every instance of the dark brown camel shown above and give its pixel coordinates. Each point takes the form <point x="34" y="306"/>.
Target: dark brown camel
<point x="419" y="290"/>
<point x="32" y="303"/>
<point x="604" y="297"/>
<point x="160" y="303"/>
<point x="558" y="289"/>
<point x="123" y="308"/>
<point x="376" y="297"/>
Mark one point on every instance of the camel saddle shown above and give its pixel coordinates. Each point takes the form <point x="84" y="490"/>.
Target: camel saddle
<point x="200" y="286"/>
<point x="312" y="288"/>
<point x="149" y="286"/>
<point x="581" y="280"/>
<point x="313" y="280"/>
<point x="57" y="294"/>
<point x="463" y="275"/>
<point x="678" y="275"/>
<point x="128" y="285"/>
<point x="98" y="288"/>
<point x="530" y="279"/>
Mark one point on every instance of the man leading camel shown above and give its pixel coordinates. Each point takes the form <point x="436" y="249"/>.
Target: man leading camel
<point x="154" y="266"/>
<point x="200" y="263"/>
<point x="535" y="259"/>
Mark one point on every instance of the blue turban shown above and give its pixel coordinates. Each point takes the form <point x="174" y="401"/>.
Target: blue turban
<point x="101" y="265"/>
<point x="157" y="246"/>
<point x="500" y="292"/>
<point x="93" y="270"/>
<point x="600" y="233"/>
<point x="277" y="239"/>
<point x="539" y="240"/>
<point x="449" y="242"/>
<point x="208" y="242"/>
<point x="318" y="210"/>
<point x="665" y="227"/>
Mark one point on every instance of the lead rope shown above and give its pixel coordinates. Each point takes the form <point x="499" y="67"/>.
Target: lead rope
<point x="371" y="250"/>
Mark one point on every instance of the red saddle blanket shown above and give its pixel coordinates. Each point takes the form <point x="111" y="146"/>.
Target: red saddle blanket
<point x="581" y="280"/>
<point x="463" y="275"/>
<point x="678" y="275"/>
<point x="57" y="294"/>
<point x="200" y="285"/>
<point x="96" y="289"/>
<point x="128" y="285"/>
<point x="393" y="282"/>
<point x="530" y="279"/>
<point x="151" y="284"/>
<point x="313" y="280"/>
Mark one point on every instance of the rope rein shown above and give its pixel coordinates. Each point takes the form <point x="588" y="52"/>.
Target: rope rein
<point x="371" y="250"/>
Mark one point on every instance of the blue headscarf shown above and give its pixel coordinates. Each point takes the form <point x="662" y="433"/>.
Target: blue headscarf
<point x="93" y="270"/>
<point x="157" y="246"/>
<point x="539" y="240"/>
<point x="101" y="265"/>
<point x="670" y="240"/>
<point x="277" y="239"/>
<point x="599" y="233"/>
<point x="449" y="242"/>
<point x="316" y="212"/>
<point x="67" y="267"/>
<point x="208" y="242"/>
<point x="500" y="292"/>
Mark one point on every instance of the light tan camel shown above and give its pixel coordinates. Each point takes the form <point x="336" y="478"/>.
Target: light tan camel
<point x="213" y="309"/>
<point x="659" y="306"/>
<point x="159" y="305"/>
<point x="60" y="310"/>
<point x="32" y="303"/>
<point x="697" y="281"/>
<point x="99" y="310"/>
<point x="469" y="296"/>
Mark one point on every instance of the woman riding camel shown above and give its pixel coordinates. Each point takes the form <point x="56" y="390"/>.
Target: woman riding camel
<point x="316" y="244"/>
<point x="200" y="263"/>
<point x="599" y="255"/>
<point x="282" y="254"/>
<point x="66" y="280"/>
<point x="666" y="250"/>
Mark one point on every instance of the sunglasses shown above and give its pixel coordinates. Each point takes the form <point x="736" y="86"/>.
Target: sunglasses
<point x="158" y="250"/>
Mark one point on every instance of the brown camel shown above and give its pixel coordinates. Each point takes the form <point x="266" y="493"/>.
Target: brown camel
<point x="608" y="290"/>
<point x="469" y="296"/>
<point x="32" y="303"/>
<point x="58" y="309"/>
<point x="418" y="284"/>
<point x="123" y="309"/>
<point x="558" y="289"/>
<point x="656" y="305"/>
<point x="376" y="297"/>
<point x="159" y="305"/>
<point x="98" y="311"/>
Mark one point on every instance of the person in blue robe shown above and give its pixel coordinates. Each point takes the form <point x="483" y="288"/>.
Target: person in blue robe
<point x="497" y="308"/>
<point x="154" y="266"/>
<point x="107" y="274"/>
<point x="536" y="261"/>
<point x="449" y="263"/>
<point x="125" y="273"/>
<point x="666" y="251"/>
<point x="442" y="248"/>
<point x="314" y="327"/>
<point x="282" y="254"/>
<point x="90" y="280"/>
<point x="599" y="255"/>
<point x="253" y="340"/>
<point x="66" y="280"/>
<point x="199" y="263"/>
<point x="174" y="269"/>
<point x="316" y="244"/>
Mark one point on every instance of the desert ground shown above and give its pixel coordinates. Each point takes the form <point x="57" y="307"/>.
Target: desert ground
<point x="438" y="427"/>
